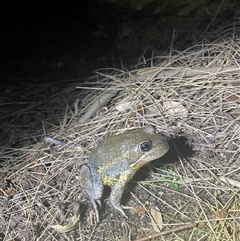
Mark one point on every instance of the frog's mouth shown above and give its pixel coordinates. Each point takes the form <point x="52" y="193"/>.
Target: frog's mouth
<point x="142" y="161"/>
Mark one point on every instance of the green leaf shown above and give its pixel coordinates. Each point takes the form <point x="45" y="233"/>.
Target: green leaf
<point x="174" y="186"/>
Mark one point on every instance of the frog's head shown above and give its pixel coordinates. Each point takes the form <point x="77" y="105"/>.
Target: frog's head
<point x="147" y="147"/>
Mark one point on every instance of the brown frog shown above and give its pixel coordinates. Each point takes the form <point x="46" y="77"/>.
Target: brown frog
<point x="115" y="161"/>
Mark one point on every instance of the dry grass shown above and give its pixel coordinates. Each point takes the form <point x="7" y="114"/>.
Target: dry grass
<point x="198" y="113"/>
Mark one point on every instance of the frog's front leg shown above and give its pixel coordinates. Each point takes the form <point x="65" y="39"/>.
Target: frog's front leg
<point x="118" y="189"/>
<point x="91" y="185"/>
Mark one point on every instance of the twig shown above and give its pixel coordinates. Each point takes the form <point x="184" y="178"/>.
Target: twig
<point x="56" y="142"/>
<point x="102" y="100"/>
<point x="181" y="72"/>
<point x="173" y="230"/>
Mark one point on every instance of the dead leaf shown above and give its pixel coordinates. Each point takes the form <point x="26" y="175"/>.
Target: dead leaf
<point x="174" y="108"/>
<point x="201" y="225"/>
<point x="124" y="106"/>
<point x="221" y="213"/>
<point x="156" y="219"/>
<point x="140" y="110"/>
<point x="231" y="181"/>
<point x="140" y="210"/>
<point x="69" y="226"/>
<point x="9" y="192"/>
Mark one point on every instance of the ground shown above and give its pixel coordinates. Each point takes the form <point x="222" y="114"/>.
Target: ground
<point x="192" y="98"/>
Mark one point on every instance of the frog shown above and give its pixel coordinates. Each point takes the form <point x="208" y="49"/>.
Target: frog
<point x="115" y="161"/>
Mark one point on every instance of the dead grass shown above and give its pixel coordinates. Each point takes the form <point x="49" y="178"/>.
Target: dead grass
<point x="198" y="113"/>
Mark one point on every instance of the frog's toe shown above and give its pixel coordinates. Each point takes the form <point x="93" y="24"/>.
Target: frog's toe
<point x="127" y="207"/>
<point x="95" y="207"/>
<point x="119" y="208"/>
<point x="99" y="202"/>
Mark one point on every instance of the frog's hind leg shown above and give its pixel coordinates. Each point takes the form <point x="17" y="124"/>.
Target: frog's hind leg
<point x="91" y="185"/>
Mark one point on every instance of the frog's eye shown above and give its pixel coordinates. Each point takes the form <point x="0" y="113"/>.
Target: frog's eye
<point x="146" y="146"/>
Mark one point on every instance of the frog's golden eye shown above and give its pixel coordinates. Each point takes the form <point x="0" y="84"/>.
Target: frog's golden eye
<point x="146" y="146"/>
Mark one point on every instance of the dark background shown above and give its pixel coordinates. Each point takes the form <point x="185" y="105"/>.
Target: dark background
<point x="64" y="41"/>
